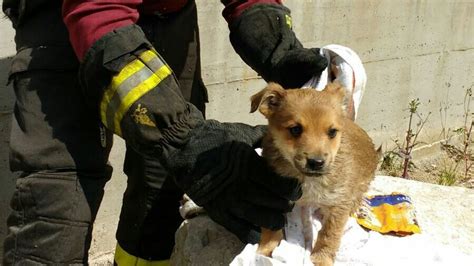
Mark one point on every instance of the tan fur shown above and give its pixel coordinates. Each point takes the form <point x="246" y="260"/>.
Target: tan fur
<point x="350" y="157"/>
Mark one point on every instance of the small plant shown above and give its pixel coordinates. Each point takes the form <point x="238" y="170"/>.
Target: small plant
<point x="398" y="162"/>
<point x="393" y="160"/>
<point x="391" y="163"/>
<point x="466" y="132"/>
<point x="463" y="152"/>
<point x="448" y="175"/>
<point x="411" y="136"/>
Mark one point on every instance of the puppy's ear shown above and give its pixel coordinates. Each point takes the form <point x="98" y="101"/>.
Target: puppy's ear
<point x="336" y="90"/>
<point x="267" y="99"/>
<point x="338" y="98"/>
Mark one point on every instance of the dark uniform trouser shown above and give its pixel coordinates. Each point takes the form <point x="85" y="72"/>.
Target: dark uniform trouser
<point x="56" y="144"/>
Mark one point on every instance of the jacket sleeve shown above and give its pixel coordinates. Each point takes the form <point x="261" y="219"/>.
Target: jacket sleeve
<point x="119" y="74"/>
<point x="234" y="8"/>
<point x="88" y="21"/>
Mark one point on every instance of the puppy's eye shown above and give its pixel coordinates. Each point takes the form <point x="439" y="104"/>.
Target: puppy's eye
<point x="332" y="132"/>
<point x="296" y="131"/>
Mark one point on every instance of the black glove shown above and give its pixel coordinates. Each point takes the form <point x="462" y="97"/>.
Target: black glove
<point x="263" y="38"/>
<point x="214" y="163"/>
<point x="219" y="169"/>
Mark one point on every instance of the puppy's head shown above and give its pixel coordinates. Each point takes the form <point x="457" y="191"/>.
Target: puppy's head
<point x="305" y="124"/>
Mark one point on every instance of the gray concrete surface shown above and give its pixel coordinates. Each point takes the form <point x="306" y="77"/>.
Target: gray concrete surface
<point x="411" y="49"/>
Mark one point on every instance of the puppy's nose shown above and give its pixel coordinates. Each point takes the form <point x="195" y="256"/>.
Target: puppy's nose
<point x="315" y="163"/>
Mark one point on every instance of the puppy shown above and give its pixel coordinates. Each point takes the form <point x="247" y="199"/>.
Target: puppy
<point x="310" y="138"/>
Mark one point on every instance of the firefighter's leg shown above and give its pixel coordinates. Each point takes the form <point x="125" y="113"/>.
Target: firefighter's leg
<point x="56" y="146"/>
<point x="150" y="215"/>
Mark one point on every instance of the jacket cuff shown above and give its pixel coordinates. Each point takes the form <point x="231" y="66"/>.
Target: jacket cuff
<point x="108" y="56"/>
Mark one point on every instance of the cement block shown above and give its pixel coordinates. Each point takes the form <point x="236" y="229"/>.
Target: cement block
<point x="445" y="225"/>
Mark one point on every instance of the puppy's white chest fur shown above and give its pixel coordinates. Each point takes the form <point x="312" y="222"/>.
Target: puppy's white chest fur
<point x="318" y="192"/>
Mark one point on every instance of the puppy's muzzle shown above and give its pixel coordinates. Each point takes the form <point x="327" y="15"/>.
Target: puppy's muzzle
<point x="315" y="166"/>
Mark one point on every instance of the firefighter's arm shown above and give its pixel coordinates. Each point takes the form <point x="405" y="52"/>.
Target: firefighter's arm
<point x="138" y="98"/>
<point x="261" y="33"/>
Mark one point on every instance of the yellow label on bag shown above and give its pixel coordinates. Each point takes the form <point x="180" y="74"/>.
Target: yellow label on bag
<point x="388" y="214"/>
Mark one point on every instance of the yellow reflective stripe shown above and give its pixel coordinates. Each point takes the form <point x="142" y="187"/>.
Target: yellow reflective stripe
<point x="129" y="69"/>
<point x="289" y="21"/>
<point x="116" y="101"/>
<point x="138" y="92"/>
<point x="147" y="55"/>
<point x="123" y="258"/>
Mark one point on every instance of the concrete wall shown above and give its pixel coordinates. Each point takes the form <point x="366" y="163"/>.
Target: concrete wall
<point x="411" y="49"/>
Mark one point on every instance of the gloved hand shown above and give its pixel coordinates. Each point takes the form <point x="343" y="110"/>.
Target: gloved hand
<point x="219" y="169"/>
<point x="214" y="163"/>
<point x="263" y="37"/>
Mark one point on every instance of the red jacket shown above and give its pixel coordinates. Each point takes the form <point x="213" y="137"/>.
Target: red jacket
<point x="87" y="21"/>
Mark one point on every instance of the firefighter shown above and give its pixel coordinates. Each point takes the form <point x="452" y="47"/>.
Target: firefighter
<point x="85" y="70"/>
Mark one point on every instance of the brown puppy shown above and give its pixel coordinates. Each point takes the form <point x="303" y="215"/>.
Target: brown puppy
<point x="310" y="138"/>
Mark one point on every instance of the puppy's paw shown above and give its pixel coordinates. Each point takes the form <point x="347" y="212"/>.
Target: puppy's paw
<point x="265" y="250"/>
<point x="321" y="259"/>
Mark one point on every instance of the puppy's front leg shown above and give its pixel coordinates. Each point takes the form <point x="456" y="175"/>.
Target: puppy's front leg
<point x="306" y="221"/>
<point x="269" y="240"/>
<point x="329" y="237"/>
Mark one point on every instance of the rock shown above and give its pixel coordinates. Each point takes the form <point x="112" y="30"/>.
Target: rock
<point x="444" y="213"/>
<point x="200" y="241"/>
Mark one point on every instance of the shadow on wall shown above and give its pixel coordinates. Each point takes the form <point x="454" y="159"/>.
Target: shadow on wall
<point x="7" y="178"/>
